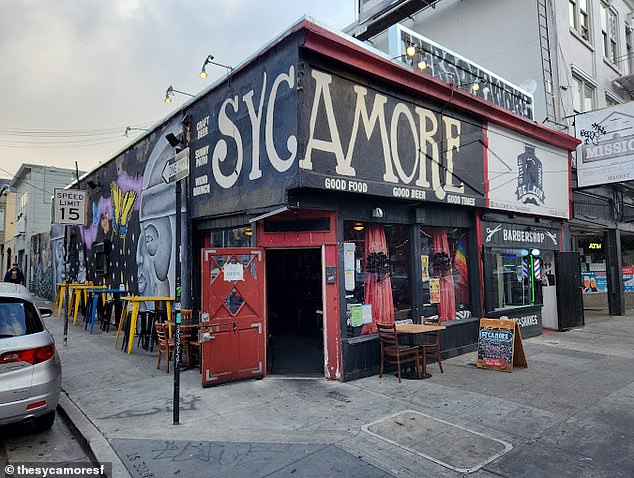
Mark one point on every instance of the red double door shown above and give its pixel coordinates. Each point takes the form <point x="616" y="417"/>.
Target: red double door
<point x="232" y="324"/>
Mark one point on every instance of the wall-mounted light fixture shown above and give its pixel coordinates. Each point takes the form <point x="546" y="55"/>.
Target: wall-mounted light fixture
<point x="129" y="128"/>
<point x="173" y="140"/>
<point x="209" y="61"/>
<point x="169" y="94"/>
<point x="248" y="231"/>
<point x="358" y="226"/>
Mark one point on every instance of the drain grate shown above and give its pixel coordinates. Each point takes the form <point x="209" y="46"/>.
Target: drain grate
<point x="451" y="446"/>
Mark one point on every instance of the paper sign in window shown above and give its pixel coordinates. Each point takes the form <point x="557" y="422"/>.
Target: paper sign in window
<point x="424" y="263"/>
<point x="348" y="265"/>
<point x="367" y="313"/>
<point x="233" y="272"/>
<point x="356" y="316"/>
<point x="434" y="290"/>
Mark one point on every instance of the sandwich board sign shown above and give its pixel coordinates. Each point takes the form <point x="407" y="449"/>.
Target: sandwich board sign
<point x="500" y="345"/>
<point x="69" y="206"/>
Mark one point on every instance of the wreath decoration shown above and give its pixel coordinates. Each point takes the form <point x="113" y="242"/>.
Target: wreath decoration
<point x="378" y="263"/>
<point x="441" y="263"/>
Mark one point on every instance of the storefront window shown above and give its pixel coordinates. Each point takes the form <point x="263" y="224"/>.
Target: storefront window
<point x="593" y="269"/>
<point x="237" y="237"/>
<point x="512" y="278"/>
<point x="377" y="263"/>
<point x="445" y="273"/>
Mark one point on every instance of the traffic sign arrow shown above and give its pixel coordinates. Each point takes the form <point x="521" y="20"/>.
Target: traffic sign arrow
<point x="176" y="168"/>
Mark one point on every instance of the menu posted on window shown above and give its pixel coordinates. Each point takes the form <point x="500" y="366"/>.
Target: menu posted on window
<point x="500" y="345"/>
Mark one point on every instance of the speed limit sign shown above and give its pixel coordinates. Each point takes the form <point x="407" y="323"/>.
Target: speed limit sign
<point x="69" y="206"/>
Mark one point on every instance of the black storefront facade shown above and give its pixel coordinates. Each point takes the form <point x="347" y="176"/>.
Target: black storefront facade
<point x="367" y="188"/>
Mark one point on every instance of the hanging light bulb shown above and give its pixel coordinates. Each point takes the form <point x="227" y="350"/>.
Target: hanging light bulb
<point x="410" y="50"/>
<point x="475" y="86"/>
<point x="168" y="99"/>
<point x="203" y="73"/>
<point x="422" y="65"/>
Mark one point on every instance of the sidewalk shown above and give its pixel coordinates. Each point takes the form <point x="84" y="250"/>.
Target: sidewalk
<point x="571" y="413"/>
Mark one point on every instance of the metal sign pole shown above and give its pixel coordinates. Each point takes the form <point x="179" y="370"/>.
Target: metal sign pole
<point x="177" y="307"/>
<point x="66" y="289"/>
<point x="69" y="208"/>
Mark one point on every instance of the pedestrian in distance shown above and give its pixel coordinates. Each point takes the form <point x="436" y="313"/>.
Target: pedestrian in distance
<point x="15" y="275"/>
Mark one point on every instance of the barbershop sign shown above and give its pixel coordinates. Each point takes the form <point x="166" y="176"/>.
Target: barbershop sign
<point x="514" y="235"/>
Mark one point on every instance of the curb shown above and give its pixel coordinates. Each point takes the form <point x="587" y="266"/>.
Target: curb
<point x="89" y="437"/>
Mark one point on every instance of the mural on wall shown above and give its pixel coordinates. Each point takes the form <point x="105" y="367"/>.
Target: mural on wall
<point x="111" y="214"/>
<point x="42" y="271"/>
<point x="129" y="239"/>
<point x="157" y="218"/>
<point x="58" y="253"/>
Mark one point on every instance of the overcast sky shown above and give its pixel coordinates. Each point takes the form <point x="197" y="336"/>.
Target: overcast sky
<point x="75" y="73"/>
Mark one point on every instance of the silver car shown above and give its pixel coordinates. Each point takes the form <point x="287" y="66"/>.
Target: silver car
<point x="30" y="369"/>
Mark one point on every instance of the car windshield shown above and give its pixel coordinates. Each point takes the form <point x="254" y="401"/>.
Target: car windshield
<point x="18" y="318"/>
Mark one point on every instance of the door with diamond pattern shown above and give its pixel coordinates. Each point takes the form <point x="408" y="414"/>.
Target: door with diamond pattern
<point x="232" y="322"/>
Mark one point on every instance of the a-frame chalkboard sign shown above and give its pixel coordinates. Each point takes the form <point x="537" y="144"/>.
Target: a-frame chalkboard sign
<point x="500" y="345"/>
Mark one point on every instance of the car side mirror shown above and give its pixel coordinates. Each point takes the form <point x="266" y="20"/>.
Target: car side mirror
<point x="45" y="312"/>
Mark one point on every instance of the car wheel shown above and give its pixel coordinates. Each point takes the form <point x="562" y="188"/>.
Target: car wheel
<point x="45" y="422"/>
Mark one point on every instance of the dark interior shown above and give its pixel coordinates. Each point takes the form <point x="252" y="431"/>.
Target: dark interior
<point x="293" y="278"/>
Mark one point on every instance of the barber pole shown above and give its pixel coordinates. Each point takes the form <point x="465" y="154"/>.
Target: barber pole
<point x="525" y="267"/>
<point x="537" y="269"/>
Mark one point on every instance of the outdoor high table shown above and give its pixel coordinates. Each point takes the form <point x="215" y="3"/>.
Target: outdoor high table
<point x="96" y="293"/>
<point x="80" y="292"/>
<point x="59" y="298"/>
<point x="136" y="302"/>
<point x="61" y="295"/>
<point x="413" y="329"/>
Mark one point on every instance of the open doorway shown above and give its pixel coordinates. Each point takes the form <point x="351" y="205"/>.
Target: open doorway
<point x="294" y="302"/>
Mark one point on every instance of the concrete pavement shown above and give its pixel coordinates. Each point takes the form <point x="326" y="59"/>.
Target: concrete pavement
<point x="571" y="413"/>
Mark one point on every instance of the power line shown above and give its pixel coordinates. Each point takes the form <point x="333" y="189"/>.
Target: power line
<point x="62" y="146"/>
<point x="12" y="131"/>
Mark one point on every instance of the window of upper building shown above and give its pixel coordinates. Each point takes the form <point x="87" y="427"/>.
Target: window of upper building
<point x="580" y="17"/>
<point x="609" y="33"/>
<point x="582" y="95"/>
<point x="23" y="201"/>
<point x="611" y="99"/>
<point x="628" y="46"/>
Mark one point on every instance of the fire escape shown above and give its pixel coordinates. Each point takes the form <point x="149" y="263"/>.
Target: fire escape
<point x="547" y="67"/>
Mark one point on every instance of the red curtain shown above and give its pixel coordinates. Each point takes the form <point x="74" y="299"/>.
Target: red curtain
<point x="447" y="305"/>
<point x="377" y="292"/>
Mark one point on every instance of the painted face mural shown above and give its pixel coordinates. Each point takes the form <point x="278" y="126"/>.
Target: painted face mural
<point x="60" y="266"/>
<point x="155" y="246"/>
<point x="57" y="251"/>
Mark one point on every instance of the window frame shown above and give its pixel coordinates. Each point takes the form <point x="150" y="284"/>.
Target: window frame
<point x="580" y="20"/>
<point x="610" y="39"/>
<point x="628" y="45"/>
<point x="611" y="99"/>
<point x="491" y="285"/>
<point x="580" y="86"/>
